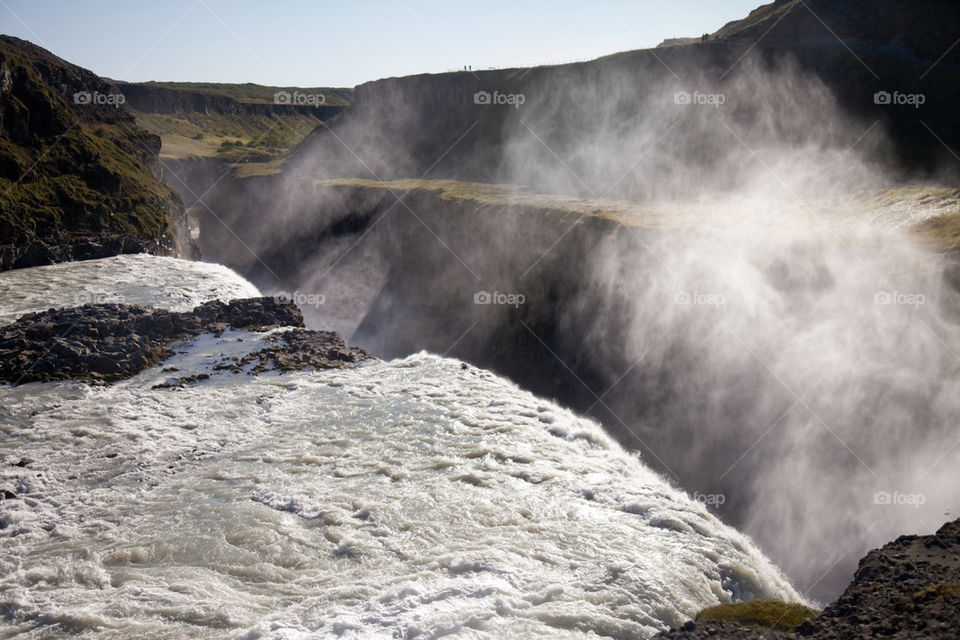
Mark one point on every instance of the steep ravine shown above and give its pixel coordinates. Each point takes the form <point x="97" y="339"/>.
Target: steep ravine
<point x="680" y="354"/>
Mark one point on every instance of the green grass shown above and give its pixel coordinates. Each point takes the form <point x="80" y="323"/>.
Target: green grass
<point x="499" y="196"/>
<point x="930" y="213"/>
<point x="204" y="135"/>
<point x="766" y="614"/>
<point x="249" y="92"/>
<point x="255" y="169"/>
<point x="78" y="168"/>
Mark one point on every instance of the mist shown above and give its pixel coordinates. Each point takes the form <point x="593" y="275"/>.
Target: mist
<point x="784" y="355"/>
<point x="785" y="349"/>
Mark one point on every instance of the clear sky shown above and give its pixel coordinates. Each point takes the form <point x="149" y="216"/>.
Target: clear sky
<point x="302" y="43"/>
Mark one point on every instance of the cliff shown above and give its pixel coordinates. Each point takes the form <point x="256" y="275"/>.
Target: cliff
<point x="208" y="130"/>
<point x="442" y="123"/>
<point x="78" y="177"/>
<point x="627" y="313"/>
<point x="151" y="97"/>
<point x="924" y="29"/>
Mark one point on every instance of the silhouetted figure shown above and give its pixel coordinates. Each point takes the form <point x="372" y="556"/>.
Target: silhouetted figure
<point x="705" y="38"/>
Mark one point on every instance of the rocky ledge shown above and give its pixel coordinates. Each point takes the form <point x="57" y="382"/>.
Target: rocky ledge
<point x="908" y="589"/>
<point x="109" y="342"/>
<point x="70" y="247"/>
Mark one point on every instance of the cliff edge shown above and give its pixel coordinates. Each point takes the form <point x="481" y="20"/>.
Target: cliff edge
<point x="78" y="177"/>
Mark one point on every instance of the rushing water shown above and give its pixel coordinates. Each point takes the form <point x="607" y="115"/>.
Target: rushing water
<point x="410" y="499"/>
<point x="168" y="283"/>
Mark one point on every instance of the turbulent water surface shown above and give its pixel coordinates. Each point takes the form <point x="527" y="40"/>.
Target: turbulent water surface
<point x="414" y="498"/>
<point x="167" y="283"/>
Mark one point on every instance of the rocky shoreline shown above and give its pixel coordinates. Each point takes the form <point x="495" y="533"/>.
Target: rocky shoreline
<point x="104" y="343"/>
<point x="908" y="589"/>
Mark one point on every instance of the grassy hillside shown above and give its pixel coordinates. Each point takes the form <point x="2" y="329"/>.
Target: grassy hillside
<point x="233" y="122"/>
<point x="258" y="93"/>
<point x="230" y="137"/>
<point x="69" y="168"/>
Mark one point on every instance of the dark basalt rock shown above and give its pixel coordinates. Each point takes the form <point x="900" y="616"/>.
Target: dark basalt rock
<point x="908" y="589"/>
<point x="299" y="349"/>
<point x="66" y="248"/>
<point x="108" y="342"/>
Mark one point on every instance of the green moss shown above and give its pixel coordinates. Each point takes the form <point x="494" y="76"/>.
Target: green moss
<point x="937" y="591"/>
<point x="77" y="168"/>
<point x="767" y="614"/>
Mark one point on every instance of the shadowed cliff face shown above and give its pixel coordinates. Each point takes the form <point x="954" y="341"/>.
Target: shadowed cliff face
<point x="923" y="29"/>
<point x="757" y="322"/>
<point x="76" y="173"/>
<point x="783" y="376"/>
<point x="406" y="127"/>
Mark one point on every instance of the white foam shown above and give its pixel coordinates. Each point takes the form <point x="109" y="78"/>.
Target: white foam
<point x="167" y="283"/>
<point x="401" y="499"/>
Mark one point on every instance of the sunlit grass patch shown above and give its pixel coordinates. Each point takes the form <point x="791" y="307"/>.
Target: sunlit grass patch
<point x="767" y="614"/>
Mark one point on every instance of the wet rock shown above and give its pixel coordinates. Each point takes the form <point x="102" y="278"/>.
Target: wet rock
<point x="179" y="383"/>
<point x="908" y="589"/>
<point x="108" y="342"/>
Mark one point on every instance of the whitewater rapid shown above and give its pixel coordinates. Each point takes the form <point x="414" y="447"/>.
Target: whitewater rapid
<point x="167" y="283"/>
<point x="417" y="498"/>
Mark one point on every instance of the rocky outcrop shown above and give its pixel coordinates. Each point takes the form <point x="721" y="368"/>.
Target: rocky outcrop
<point x="908" y="589"/>
<point x="67" y="247"/>
<point x="78" y="176"/>
<point x="109" y="342"/>
<point x="298" y="349"/>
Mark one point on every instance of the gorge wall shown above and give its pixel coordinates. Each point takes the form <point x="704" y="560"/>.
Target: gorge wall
<point x="152" y="98"/>
<point x="712" y="247"/>
<point x="78" y="176"/>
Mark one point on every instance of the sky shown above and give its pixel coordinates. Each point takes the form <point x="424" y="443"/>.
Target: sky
<point x="333" y="44"/>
